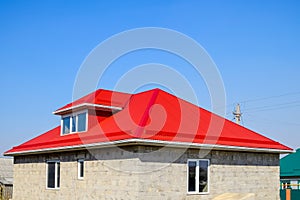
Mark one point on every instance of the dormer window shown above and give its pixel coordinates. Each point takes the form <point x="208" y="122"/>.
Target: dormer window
<point x="75" y="122"/>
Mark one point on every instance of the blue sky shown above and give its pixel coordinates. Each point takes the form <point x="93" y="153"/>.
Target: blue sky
<point x="255" y="45"/>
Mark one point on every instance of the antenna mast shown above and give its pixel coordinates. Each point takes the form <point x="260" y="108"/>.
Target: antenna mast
<point x="237" y="114"/>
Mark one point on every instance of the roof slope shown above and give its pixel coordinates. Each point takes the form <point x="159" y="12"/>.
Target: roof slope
<point x="290" y="165"/>
<point x="155" y="116"/>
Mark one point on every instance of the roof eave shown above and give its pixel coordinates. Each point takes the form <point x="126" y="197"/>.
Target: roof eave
<point x="137" y="141"/>
<point x="86" y="105"/>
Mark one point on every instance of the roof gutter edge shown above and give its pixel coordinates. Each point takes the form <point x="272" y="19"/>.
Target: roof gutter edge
<point x="147" y="142"/>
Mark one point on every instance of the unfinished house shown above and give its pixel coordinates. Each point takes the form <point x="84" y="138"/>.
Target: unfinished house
<point x="148" y="145"/>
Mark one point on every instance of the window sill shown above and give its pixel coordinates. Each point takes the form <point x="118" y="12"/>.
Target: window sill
<point x="63" y="134"/>
<point x="52" y="188"/>
<point x="197" y="193"/>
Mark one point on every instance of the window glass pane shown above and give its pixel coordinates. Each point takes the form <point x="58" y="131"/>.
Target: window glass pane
<point x="203" y="173"/>
<point x="192" y="176"/>
<point x="73" y="123"/>
<point x="51" y="175"/>
<point x="81" y="169"/>
<point x="281" y="185"/>
<point x="58" y="174"/>
<point x="294" y="184"/>
<point x="81" y="122"/>
<point x="286" y="184"/>
<point x="66" y="125"/>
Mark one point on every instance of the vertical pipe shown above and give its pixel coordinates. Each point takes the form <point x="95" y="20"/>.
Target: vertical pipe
<point x="288" y="194"/>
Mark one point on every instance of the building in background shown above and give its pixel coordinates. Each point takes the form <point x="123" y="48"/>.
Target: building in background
<point x="149" y="145"/>
<point x="6" y="178"/>
<point x="290" y="175"/>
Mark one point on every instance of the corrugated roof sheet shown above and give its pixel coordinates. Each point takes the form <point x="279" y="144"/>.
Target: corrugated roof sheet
<point x="153" y="115"/>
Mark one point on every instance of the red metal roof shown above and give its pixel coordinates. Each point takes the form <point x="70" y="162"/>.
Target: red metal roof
<point x="155" y="116"/>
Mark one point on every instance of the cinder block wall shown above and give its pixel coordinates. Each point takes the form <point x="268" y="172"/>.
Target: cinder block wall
<point x="144" y="172"/>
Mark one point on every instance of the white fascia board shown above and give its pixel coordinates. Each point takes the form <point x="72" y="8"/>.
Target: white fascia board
<point x="88" y="105"/>
<point x="150" y="142"/>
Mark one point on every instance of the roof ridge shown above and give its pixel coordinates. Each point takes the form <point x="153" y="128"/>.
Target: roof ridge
<point x="145" y="117"/>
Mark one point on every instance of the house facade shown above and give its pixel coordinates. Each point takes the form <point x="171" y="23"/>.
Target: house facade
<point x="149" y="145"/>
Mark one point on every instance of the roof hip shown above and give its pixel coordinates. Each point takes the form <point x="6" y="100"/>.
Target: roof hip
<point x="145" y="117"/>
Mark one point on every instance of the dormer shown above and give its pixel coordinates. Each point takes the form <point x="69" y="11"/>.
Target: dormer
<point x="86" y="112"/>
<point x="75" y="119"/>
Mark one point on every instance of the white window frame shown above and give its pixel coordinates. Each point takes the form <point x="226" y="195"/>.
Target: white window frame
<point x="56" y="187"/>
<point x="75" y="114"/>
<point x="79" y="169"/>
<point x="197" y="176"/>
